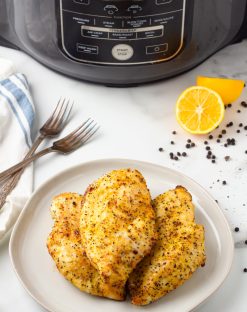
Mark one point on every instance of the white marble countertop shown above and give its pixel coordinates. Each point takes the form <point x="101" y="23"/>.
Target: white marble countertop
<point x="135" y="122"/>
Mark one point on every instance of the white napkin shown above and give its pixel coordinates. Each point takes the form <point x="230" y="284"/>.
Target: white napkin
<point x="16" y="121"/>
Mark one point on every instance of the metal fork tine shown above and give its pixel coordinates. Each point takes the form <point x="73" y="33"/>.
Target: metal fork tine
<point x="56" y="118"/>
<point x="57" y="107"/>
<point x="70" y="135"/>
<point x="90" y="135"/>
<point x="60" y="118"/>
<point x="86" y="137"/>
<point x="68" y="113"/>
<point x="78" y="134"/>
<point x="83" y="135"/>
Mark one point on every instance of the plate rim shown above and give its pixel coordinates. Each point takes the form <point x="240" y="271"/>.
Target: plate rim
<point x="130" y="161"/>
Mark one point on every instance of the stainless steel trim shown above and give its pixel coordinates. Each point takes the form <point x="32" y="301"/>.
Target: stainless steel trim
<point x="122" y="30"/>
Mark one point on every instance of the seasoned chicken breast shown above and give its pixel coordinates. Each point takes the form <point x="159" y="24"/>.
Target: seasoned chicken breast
<point x="118" y="224"/>
<point x="178" y="253"/>
<point x="64" y="246"/>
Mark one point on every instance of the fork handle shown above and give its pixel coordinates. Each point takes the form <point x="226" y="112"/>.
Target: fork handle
<point x="11" y="183"/>
<point x="24" y="163"/>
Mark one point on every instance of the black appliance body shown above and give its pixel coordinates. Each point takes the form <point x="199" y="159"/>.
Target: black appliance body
<point x="121" y="42"/>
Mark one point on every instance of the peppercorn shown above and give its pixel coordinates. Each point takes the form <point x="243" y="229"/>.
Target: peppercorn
<point x="174" y="132"/>
<point x="172" y="142"/>
<point x="224" y="182"/>
<point x="207" y="148"/>
<point x="187" y="145"/>
<point x="236" y="229"/>
<point x="178" y="153"/>
<point x="161" y="149"/>
<point x="213" y="161"/>
<point x="223" y="131"/>
<point x="189" y="140"/>
<point x="227" y="158"/>
<point x="240" y="125"/>
<point x="184" y="154"/>
<point x="218" y="140"/>
<point x="205" y="142"/>
<point x="193" y="144"/>
<point x="245" y="270"/>
<point x="210" y="137"/>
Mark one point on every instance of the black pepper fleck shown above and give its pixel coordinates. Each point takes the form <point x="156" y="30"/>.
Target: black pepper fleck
<point x="236" y="229"/>
<point x="161" y="149"/>
<point x="224" y="182"/>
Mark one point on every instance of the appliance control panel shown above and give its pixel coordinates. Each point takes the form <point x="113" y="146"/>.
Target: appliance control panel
<point x="121" y="32"/>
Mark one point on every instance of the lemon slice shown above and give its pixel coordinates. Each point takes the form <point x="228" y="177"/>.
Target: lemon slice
<point x="199" y="110"/>
<point x="229" y="89"/>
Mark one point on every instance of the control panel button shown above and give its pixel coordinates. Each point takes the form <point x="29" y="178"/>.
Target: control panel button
<point x="89" y="49"/>
<point x="151" y="33"/>
<point x="94" y="32"/>
<point x="161" y="48"/>
<point x="108" y="23"/>
<point x="122" y="52"/>
<point x="122" y="35"/>
<point x="111" y="9"/>
<point x="134" y="9"/>
<point x="86" y="2"/>
<point x="83" y="20"/>
<point x="137" y="23"/>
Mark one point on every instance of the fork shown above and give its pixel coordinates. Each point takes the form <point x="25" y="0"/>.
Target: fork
<point x="65" y="145"/>
<point x="51" y="128"/>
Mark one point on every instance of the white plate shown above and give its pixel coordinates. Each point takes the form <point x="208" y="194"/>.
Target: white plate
<point x="41" y="279"/>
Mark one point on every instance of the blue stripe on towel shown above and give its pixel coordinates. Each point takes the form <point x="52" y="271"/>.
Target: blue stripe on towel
<point x="21" y="99"/>
<point x="18" y="118"/>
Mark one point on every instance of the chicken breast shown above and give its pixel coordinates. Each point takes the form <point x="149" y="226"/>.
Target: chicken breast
<point x="118" y="224"/>
<point x="178" y="253"/>
<point x="64" y="246"/>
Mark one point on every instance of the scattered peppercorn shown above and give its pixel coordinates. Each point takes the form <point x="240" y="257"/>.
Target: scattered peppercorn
<point x="227" y="158"/>
<point x="184" y="154"/>
<point x="220" y="136"/>
<point x="210" y="137"/>
<point x="223" y="131"/>
<point x="224" y="182"/>
<point x="216" y="201"/>
<point x="175" y="158"/>
<point x="213" y="157"/>
<point x="207" y="148"/>
<point x="174" y="132"/>
<point x="240" y="125"/>
<point x="245" y="270"/>
<point x="193" y="144"/>
<point x="172" y="142"/>
<point x="236" y="229"/>
<point x="178" y="153"/>
<point x="161" y="149"/>
<point x="189" y="140"/>
<point x="213" y="161"/>
<point x="244" y="104"/>
<point x="245" y="128"/>
<point x="218" y="140"/>
<point x="229" y="105"/>
<point x="245" y="242"/>
<point x="205" y="142"/>
<point x="225" y="145"/>
<point x="209" y="153"/>
<point x="239" y="111"/>
<point x="187" y="145"/>
<point x="238" y="131"/>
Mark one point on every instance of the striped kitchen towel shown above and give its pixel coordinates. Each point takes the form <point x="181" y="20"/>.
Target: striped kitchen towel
<point x="16" y="123"/>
